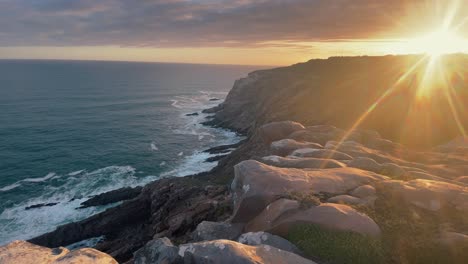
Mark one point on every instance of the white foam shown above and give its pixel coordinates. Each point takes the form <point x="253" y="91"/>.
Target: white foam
<point x="75" y="172"/>
<point x="87" y="243"/>
<point x="18" y="223"/>
<point x="42" y="179"/>
<point x="10" y="187"/>
<point x="154" y="147"/>
<point x="50" y="175"/>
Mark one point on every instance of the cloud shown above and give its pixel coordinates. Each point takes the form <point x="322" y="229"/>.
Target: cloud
<point x="193" y="23"/>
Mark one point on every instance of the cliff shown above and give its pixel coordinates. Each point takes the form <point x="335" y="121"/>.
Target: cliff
<point x="339" y="90"/>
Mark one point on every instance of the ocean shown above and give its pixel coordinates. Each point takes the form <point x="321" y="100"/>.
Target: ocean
<point x="73" y="129"/>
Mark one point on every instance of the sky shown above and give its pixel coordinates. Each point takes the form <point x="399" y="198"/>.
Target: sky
<point x="254" y="32"/>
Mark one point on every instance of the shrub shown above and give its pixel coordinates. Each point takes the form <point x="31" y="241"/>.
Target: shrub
<point x="331" y="246"/>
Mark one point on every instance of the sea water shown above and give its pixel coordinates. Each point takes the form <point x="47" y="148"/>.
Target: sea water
<point x="73" y="129"/>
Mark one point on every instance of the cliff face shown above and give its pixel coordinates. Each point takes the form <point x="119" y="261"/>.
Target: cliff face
<point x="338" y="91"/>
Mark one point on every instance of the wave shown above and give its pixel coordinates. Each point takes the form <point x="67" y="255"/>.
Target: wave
<point x="50" y="175"/>
<point x="75" y="173"/>
<point x="19" y="183"/>
<point x="68" y="193"/>
<point x="10" y="187"/>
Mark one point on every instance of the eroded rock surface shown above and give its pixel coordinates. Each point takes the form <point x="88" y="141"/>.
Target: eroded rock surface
<point x="22" y="252"/>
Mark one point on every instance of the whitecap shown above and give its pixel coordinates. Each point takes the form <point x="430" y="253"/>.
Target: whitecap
<point x="10" y="187"/>
<point x="75" y="173"/>
<point x="154" y="147"/>
<point x="42" y="179"/>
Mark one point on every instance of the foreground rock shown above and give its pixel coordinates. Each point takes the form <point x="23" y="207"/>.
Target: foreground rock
<point x="280" y="216"/>
<point x="166" y="208"/>
<point x="22" y="252"/>
<point x="230" y="252"/>
<point x="158" y="251"/>
<point x="256" y="185"/>
<point x="264" y="238"/>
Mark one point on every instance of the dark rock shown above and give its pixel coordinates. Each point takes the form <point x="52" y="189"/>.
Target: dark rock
<point x="166" y="208"/>
<point x="158" y="251"/>
<point x="114" y="196"/>
<point x="192" y="114"/>
<point x="39" y="205"/>
<point x="214" y="99"/>
<point x="223" y="148"/>
<point x="207" y="230"/>
<point x="215" y="158"/>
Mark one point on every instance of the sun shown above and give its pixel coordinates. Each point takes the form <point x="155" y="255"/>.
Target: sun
<point x="439" y="42"/>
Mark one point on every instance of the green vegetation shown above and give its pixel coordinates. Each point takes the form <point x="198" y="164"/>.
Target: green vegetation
<point x="332" y="246"/>
<point x="409" y="236"/>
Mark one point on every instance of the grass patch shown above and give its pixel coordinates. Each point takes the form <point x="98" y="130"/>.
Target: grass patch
<point x="341" y="247"/>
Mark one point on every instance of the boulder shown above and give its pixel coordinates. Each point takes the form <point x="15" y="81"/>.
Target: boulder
<point x="264" y="238"/>
<point x="207" y="230"/>
<point x="364" y="163"/>
<point x="256" y="185"/>
<point x="285" y="147"/>
<point x="158" y="251"/>
<point x="231" y="252"/>
<point x="26" y="253"/>
<point x="320" y="153"/>
<point x="316" y="137"/>
<point x="427" y="194"/>
<point x="392" y="170"/>
<point x="347" y="199"/>
<point x="302" y="163"/>
<point x="278" y="130"/>
<point x="283" y="214"/>
<point x="364" y="191"/>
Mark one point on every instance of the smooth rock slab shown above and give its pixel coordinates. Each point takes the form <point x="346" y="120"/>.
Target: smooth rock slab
<point x="22" y="252"/>
<point x="256" y="185"/>
<point x="321" y="153"/>
<point x="287" y="146"/>
<point x="230" y="252"/>
<point x="264" y="238"/>
<point x="428" y="194"/>
<point x="302" y="163"/>
<point x="279" y="130"/>
<point x="283" y="214"/>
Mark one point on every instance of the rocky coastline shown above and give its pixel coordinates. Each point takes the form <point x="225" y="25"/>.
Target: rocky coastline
<point x="302" y="188"/>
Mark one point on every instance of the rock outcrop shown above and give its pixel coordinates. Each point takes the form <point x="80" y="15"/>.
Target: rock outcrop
<point x="231" y="252"/>
<point x="26" y="253"/>
<point x="256" y="185"/>
<point x="280" y="216"/>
